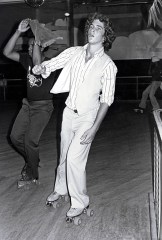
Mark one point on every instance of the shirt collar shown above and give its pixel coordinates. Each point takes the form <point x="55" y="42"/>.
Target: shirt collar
<point x="99" y="53"/>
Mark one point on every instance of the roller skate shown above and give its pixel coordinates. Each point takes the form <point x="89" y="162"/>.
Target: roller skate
<point x="55" y="200"/>
<point x="139" y="110"/>
<point x="157" y="110"/>
<point x="73" y="215"/>
<point x="26" y="182"/>
<point x="24" y="170"/>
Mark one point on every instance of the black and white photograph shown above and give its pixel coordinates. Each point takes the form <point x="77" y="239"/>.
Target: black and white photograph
<point x="81" y="120"/>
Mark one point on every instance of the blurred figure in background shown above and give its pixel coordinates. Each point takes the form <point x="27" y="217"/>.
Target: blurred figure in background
<point x="150" y="91"/>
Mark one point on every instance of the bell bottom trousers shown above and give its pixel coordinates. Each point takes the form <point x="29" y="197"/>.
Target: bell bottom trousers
<point x="27" y="130"/>
<point x="71" y="172"/>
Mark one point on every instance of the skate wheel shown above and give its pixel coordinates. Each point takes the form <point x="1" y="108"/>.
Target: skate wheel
<point x="56" y="205"/>
<point x="20" y="184"/>
<point x="77" y="221"/>
<point x="90" y="212"/>
<point x="48" y="203"/>
<point x="69" y="220"/>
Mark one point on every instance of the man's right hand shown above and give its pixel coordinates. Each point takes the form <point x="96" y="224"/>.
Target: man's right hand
<point x="39" y="69"/>
<point x="24" y="25"/>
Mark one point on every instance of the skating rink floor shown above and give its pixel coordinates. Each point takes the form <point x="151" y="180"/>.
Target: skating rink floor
<point x="119" y="180"/>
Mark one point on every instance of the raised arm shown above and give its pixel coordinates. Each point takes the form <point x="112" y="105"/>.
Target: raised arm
<point x="36" y="54"/>
<point x="9" y="48"/>
<point x="55" y="63"/>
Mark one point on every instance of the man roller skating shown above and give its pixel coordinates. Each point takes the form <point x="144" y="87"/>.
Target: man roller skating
<point x="89" y="75"/>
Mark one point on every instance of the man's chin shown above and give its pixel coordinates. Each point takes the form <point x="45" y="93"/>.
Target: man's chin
<point x="91" y="41"/>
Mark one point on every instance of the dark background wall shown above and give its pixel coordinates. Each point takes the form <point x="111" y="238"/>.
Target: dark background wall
<point x="126" y="20"/>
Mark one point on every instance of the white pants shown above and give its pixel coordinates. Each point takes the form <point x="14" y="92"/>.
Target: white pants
<point x="71" y="173"/>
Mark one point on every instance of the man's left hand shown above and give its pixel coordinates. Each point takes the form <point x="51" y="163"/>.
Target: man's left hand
<point x="88" y="136"/>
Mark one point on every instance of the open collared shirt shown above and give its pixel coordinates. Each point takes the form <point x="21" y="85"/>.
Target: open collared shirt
<point x="89" y="82"/>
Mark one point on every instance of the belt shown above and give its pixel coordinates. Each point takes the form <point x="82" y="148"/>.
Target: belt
<point x="40" y="102"/>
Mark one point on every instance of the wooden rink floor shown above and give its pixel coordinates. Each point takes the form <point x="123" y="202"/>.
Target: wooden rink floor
<point x="118" y="182"/>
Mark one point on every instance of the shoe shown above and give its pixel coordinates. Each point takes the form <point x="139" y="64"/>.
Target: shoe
<point x="26" y="180"/>
<point x="55" y="199"/>
<point x="54" y="196"/>
<point x="22" y="182"/>
<point x="139" y="110"/>
<point x="26" y="172"/>
<point x="73" y="212"/>
<point x="157" y="110"/>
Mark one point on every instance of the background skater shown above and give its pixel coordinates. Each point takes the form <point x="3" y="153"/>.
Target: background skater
<point x="150" y="91"/>
<point x="36" y="108"/>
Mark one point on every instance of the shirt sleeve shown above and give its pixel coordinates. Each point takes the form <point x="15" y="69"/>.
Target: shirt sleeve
<point x="108" y="83"/>
<point x="58" y="62"/>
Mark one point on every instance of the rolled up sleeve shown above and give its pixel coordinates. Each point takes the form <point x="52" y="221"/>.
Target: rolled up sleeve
<point x="108" y="83"/>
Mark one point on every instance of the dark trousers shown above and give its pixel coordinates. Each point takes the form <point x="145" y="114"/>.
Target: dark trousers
<point x="27" y="130"/>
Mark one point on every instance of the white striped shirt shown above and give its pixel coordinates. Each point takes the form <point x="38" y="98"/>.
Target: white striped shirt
<point x="86" y="79"/>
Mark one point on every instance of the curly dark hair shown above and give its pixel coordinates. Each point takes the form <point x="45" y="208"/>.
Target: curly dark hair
<point x="109" y="32"/>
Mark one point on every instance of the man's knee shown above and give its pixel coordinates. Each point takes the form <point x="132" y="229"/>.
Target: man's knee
<point x="151" y="95"/>
<point x="31" y="142"/>
<point x="76" y="155"/>
<point x="145" y="93"/>
<point x="72" y="156"/>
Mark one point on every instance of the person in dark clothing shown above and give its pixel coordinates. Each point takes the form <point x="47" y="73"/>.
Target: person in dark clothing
<point x="36" y="109"/>
<point x="150" y="91"/>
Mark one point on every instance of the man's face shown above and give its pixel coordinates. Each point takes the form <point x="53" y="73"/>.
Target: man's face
<point x="96" y="32"/>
